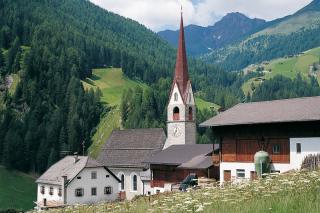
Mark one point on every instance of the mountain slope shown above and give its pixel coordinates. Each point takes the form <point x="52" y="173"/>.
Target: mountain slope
<point x="229" y="29"/>
<point x="285" y="36"/>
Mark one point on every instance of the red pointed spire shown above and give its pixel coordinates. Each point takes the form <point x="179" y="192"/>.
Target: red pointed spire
<point x="181" y="75"/>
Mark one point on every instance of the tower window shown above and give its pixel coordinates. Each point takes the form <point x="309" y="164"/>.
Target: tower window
<point x="190" y="114"/>
<point x="134" y="183"/>
<point x="176" y="114"/>
<point x="175" y="96"/>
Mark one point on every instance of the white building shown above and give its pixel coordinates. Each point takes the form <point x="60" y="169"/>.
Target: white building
<point x="125" y="153"/>
<point x="289" y="130"/>
<point x="76" y="180"/>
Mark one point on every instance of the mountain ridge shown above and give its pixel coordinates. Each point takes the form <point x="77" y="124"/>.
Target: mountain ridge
<point x="201" y="40"/>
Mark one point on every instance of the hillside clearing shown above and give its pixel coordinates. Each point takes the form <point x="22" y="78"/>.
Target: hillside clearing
<point x="288" y="67"/>
<point x="17" y="190"/>
<point x="293" y="192"/>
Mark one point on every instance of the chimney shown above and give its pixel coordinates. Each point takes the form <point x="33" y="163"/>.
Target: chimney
<point x="64" y="183"/>
<point x="44" y="202"/>
<point x="75" y="155"/>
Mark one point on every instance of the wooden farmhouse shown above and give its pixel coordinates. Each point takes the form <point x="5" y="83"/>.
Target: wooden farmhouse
<point x="288" y="130"/>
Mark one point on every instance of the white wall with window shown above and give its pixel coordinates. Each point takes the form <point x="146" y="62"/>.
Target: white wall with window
<point x="299" y="149"/>
<point x="128" y="181"/>
<point x="50" y="192"/>
<point x="94" y="185"/>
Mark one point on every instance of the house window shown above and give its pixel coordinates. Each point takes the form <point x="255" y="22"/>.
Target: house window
<point x="42" y="189"/>
<point x="175" y="96"/>
<point x="122" y="182"/>
<point x="94" y="175"/>
<point x="176" y="114"/>
<point x="60" y="192"/>
<point x="51" y="190"/>
<point x="93" y="191"/>
<point x="79" y="192"/>
<point x="298" y="146"/>
<point x="276" y="149"/>
<point x="79" y="177"/>
<point x="107" y="176"/>
<point x="241" y="173"/>
<point x="134" y="183"/>
<point x="108" y="190"/>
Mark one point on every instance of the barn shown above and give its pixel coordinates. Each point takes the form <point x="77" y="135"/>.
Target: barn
<point x="289" y="130"/>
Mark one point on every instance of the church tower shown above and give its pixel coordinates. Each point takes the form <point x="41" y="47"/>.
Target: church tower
<point x="181" y="120"/>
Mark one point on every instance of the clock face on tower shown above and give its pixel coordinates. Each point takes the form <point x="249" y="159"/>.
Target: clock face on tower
<point x="176" y="131"/>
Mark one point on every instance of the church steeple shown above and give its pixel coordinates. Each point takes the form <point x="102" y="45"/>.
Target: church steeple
<point x="181" y="76"/>
<point x="181" y="110"/>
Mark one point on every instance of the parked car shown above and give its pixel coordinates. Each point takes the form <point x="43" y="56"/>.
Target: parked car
<point x="190" y="181"/>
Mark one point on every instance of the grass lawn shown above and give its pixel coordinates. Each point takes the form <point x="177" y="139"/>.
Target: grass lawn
<point x="17" y="190"/>
<point x="202" y="104"/>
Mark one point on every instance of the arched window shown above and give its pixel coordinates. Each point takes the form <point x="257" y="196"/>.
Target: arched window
<point x="176" y="114"/>
<point x="175" y="96"/>
<point x="134" y="183"/>
<point x="122" y="182"/>
<point x="190" y="114"/>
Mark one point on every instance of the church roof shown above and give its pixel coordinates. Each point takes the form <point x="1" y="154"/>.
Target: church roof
<point x="181" y="75"/>
<point x="70" y="167"/>
<point x="195" y="156"/>
<point x="277" y="111"/>
<point x="130" y="148"/>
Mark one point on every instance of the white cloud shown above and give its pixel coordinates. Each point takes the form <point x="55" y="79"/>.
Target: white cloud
<point x="164" y="14"/>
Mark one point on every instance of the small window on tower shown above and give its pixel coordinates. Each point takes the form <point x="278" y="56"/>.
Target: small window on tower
<point x="175" y="96"/>
<point x="176" y="114"/>
<point x="190" y="114"/>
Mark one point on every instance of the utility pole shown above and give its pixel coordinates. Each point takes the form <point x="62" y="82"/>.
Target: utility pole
<point x="83" y="146"/>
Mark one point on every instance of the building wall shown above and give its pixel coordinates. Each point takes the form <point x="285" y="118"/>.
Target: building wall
<point x="308" y="146"/>
<point x="46" y="195"/>
<point x="128" y="185"/>
<point x="87" y="183"/>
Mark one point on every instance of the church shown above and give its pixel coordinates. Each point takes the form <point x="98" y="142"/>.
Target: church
<point x="148" y="161"/>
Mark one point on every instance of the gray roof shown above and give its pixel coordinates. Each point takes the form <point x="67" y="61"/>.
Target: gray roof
<point x="198" y="162"/>
<point x="277" y="111"/>
<point x="130" y="148"/>
<point x="186" y="156"/>
<point x="67" y="167"/>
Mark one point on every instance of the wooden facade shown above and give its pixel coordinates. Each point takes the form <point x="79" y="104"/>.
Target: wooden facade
<point x="240" y="143"/>
<point x="243" y="150"/>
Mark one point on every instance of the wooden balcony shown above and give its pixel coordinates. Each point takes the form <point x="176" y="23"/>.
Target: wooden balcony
<point x="157" y="183"/>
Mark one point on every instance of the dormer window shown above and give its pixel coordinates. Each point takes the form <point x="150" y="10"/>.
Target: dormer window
<point x="175" y="96"/>
<point x="176" y="114"/>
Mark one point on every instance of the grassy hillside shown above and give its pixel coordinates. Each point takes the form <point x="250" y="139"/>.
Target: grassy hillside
<point x="17" y="190"/>
<point x="294" y="192"/>
<point x="289" y="67"/>
<point x="112" y="83"/>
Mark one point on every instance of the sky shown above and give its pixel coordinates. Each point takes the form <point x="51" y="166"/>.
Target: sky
<point x="159" y="15"/>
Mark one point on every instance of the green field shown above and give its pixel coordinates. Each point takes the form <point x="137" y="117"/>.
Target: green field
<point x="17" y="190"/>
<point x="289" y="67"/>
<point x="112" y="83"/>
